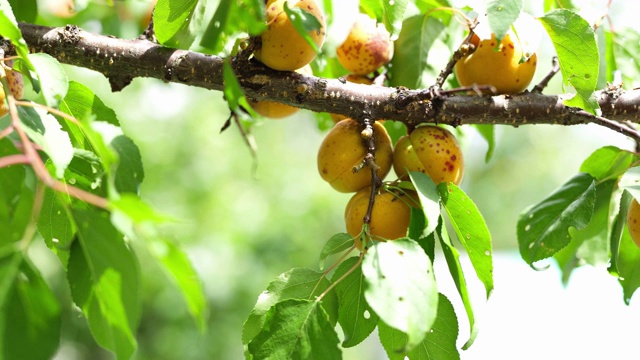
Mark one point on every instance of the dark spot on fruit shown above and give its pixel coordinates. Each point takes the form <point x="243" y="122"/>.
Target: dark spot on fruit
<point x="453" y="158"/>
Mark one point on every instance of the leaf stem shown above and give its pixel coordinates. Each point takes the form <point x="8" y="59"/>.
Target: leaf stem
<point x="355" y="266"/>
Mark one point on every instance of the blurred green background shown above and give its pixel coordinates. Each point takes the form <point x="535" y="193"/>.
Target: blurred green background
<point x="243" y="221"/>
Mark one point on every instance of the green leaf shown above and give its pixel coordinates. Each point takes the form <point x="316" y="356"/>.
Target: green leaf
<point x="625" y="47"/>
<point x="81" y="103"/>
<point x="11" y="184"/>
<point x="171" y="20"/>
<point x="401" y="288"/>
<point x="411" y="51"/>
<point x="296" y="329"/>
<point x="501" y="14"/>
<point x="575" y="44"/>
<point x="589" y="245"/>
<point x="543" y="229"/>
<point x="336" y="244"/>
<point x="355" y="316"/>
<point x="9" y="270"/>
<point x="304" y="23"/>
<point x="9" y="30"/>
<point x="135" y="209"/>
<point x="297" y="283"/>
<point x="452" y="256"/>
<point x="417" y="224"/>
<point x="618" y="226"/>
<point x="45" y="131"/>
<point x="439" y="344"/>
<point x="31" y="318"/>
<point x="471" y="230"/>
<point x="130" y="172"/>
<point x="390" y="13"/>
<point x="630" y="181"/>
<point x="232" y="91"/>
<point x="488" y="133"/>
<point x="555" y="4"/>
<point x="429" y="199"/>
<point x="608" y="162"/>
<point x="230" y="18"/>
<point x="103" y="276"/>
<point x="177" y="265"/>
<point x="54" y="224"/>
<point x="53" y="80"/>
<point x="27" y="11"/>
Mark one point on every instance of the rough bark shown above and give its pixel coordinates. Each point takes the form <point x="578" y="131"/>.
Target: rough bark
<point x="122" y="60"/>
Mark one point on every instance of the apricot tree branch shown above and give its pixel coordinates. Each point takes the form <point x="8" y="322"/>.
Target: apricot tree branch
<point x="122" y="60"/>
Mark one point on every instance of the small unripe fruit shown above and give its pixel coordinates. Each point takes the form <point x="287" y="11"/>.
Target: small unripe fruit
<point x="343" y="149"/>
<point x="367" y="47"/>
<point x="283" y="48"/>
<point x="357" y="79"/>
<point x="501" y="68"/>
<point x="16" y="85"/>
<point x="276" y="110"/>
<point x="633" y="221"/>
<point x="431" y="150"/>
<point x="390" y="215"/>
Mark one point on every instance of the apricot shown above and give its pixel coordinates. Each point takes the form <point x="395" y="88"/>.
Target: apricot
<point x="16" y="85"/>
<point x="367" y="47"/>
<point x="343" y="149"/>
<point x="283" y="48"/>
<point x="357" y="79"/>
<point x="431" y="150"/>
<point x="633" y="221"/>
<point x="390" y="215"/>
<point x="276" y="110"/>
<point x="506" y="67"/>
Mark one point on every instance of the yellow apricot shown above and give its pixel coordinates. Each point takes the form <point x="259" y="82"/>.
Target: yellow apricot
<point x="16" y="85"/>
<point x="633" y="221"/>
<point x="431" y="150"/>
<point x="283" y="48"/>
<point x="357" y="79"/>
<point x="343" y="149"/>
<point x="367" y="47"/>
<point x="276" y="110"/>
<point x="499" y="67"/>
<point x="390" y="215"/>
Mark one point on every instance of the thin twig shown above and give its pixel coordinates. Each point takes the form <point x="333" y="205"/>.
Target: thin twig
<point x="611" y="124"/>
<point x="555" y="67"/>
<point x="48" y="109"/>
<point x="13" y="160"/>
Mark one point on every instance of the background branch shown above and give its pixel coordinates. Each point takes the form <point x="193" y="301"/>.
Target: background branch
<point x="122" y="60"/>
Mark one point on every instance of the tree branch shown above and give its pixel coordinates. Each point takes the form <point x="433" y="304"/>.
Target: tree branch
<point x="122" y="60"/>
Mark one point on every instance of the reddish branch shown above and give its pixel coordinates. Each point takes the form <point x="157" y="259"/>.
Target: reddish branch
<point x="122" y="60"/>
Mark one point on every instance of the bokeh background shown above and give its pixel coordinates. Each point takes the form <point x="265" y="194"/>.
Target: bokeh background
<point x="244" y="220"/>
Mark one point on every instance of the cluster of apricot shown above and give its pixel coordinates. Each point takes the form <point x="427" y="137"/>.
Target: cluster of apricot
<point x="429" y="149"/>
<point x="343" y="158"/>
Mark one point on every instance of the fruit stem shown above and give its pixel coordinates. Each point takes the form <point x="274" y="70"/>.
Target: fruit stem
<point x="368" y="137"/>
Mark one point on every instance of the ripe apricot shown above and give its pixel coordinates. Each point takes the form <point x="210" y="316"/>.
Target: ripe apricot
<point x="633" y="221"/>
<point x="16" y="85"/>
<point x="499" y="67"/>
<point x="367" y="47"/>
<point x="283" y="48"/>
<point x="431" y="150"/>
<point x="390" y="215"/>
<point x="357" y="79"/>
<point x="343" y="149"/>
<point x="276" y="110"/>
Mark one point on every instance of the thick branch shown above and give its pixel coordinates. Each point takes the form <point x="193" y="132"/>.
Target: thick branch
<point x="122" y="60"/>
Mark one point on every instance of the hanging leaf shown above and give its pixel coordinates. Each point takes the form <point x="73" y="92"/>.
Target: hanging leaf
<point x="296" y="329"/>
<point x="401" y="288"/>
